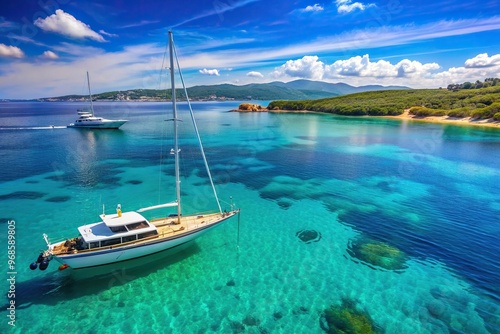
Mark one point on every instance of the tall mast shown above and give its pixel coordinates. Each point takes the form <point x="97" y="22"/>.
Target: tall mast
<point x="90" y="95"/>
<point x="175" y="120"/>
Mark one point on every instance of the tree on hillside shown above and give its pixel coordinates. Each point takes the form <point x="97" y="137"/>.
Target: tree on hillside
<point x="488" y="82"/>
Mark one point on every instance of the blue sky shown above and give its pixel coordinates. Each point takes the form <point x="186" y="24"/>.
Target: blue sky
<point x="47" y="46"/>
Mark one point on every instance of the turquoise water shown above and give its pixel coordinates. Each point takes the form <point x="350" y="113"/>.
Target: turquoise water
<point x="316" y="192"/>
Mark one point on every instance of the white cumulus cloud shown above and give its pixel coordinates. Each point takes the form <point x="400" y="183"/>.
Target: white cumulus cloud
<point x="477" y="68"/>
<point x="408" y="68"/>
<point x="314" y="8"/>
<point x="363" y="67"/>
<point x="308" y="67"/>
<point x="255" y="74"/>
<point x="482" y="60"/>
<point x="210" y="72"/>
<point x="360" y="70"/>
<point x="347" y="6"/>
<point x="49" y="55"/>
<point x="67" y="25"/>
<point x="10" y="51"/>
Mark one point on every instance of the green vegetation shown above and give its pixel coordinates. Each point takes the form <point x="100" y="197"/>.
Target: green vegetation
<point x="482" y="102"/>
<point x="378" y="253"/>
<point x="488" y="82"/>
<point x="379" y="103"/>
<point x="381" y="255"/>
<point x="254" y="92"/>
<point x="293" y="90"/>
<point x="213" y="92"/>
<point x="135" y="94"/>
<point x="347" y="319"/>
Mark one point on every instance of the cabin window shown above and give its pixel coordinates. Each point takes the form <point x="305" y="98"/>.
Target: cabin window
<point x="136" y="226"/>
<point x="110" y="242"/>
<point x="129" y="238"/>
<point x="147" y="234"/>
<point x="94" y="244"/>
<point x="117" y="229"/>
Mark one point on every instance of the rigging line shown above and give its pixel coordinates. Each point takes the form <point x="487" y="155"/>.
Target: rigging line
<point x="196" y="131"/>
<point x="162" y="134"/>
<point x="90" y="94"/>
<point x="238" y="240"/>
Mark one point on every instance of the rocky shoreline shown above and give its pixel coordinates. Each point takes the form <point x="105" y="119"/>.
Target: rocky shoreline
<point x="468" y="121"/>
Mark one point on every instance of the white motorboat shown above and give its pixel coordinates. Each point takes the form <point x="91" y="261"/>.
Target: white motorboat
<point x="88" y="120"/>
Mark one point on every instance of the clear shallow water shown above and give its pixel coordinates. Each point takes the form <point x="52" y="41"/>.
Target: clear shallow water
<point x="428" y="190"/>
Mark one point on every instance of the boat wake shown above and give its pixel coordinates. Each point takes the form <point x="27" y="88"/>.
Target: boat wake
<point x="50" y="127"/>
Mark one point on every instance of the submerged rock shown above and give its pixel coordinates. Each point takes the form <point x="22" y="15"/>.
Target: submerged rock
<point x="251" y="321"/>
<point x="300" y="310"/>
<point x="379" y="254"/>
<point x="309" y="236"/>
<point x="106" y="295"/>
<point x="347" y="319"/>
<point x="58" y="199"/>
<point x="436" y="308"/>
<point x="284" y="204"/>
<point x="22" y="195"/>
<point x="237" y="327"/>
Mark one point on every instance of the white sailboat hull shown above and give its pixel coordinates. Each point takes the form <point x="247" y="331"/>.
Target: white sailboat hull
<point x="118" y="253"/>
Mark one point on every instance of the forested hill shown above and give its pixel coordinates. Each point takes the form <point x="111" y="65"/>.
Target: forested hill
<point x="453" y="102"/>
<point x="294" y="90"/>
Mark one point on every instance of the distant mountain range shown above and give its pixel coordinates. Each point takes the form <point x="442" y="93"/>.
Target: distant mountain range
<point x="333" y="88"/>
<point x="294" y="90"/>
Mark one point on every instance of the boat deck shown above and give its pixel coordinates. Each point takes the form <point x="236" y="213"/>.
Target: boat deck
<point x="171" y="225"/>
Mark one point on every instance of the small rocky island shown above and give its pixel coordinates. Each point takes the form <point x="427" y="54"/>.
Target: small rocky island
<point x="250" y="107"/>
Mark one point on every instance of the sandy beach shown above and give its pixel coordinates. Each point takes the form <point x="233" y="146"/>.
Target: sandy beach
<point x="447" y="120"/>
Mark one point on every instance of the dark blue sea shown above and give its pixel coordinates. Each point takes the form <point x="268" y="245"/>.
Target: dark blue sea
<point x="389" y="225"/>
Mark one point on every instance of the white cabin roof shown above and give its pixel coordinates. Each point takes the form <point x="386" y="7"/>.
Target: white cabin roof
<point x="101" y="231"/>
<point x="126" y="218"/>
<point x="95" y="232"/>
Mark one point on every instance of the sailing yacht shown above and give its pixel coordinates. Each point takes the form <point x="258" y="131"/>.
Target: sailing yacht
<point x="122" y="236"/>
<point x="88" y="120"/>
